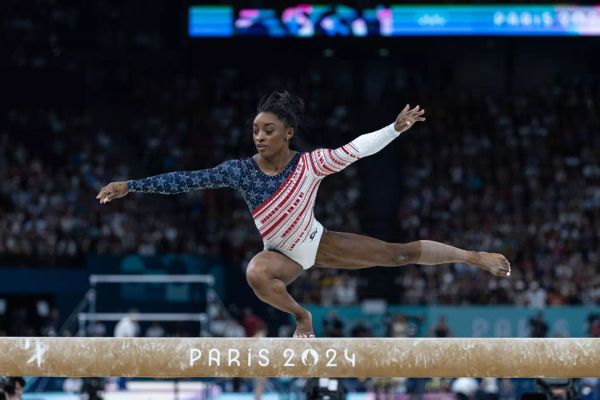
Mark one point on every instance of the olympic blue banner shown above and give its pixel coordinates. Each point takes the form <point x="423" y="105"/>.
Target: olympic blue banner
<point x="322" y="20"/>
<point x="467" y="321"/>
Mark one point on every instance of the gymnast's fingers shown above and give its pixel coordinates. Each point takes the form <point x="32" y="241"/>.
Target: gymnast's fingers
<point x="105" y="195"/>
<point x="100" y="193"/>
<point x="418" y="111"/>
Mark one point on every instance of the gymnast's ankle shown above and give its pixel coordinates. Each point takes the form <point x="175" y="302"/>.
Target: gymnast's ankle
<point x="303" y="316"/>
<point x="472" y="258"/>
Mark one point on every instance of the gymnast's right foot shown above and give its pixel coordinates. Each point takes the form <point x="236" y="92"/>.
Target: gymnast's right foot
<point x="494" y="263"/>
<point x="304" y="328"/>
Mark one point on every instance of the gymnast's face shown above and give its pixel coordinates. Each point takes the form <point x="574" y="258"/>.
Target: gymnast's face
<point x="271" y="134"/>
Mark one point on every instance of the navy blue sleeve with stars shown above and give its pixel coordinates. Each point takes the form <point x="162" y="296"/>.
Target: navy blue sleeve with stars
<point x="226" y="174"/>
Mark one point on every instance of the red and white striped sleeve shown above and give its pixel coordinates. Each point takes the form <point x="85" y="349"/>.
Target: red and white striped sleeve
<point x="329" y="161"/>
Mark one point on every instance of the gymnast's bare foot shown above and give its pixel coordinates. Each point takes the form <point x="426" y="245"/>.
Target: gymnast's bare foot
<point x="304" y="328"/>
<point x="494" y="263"/>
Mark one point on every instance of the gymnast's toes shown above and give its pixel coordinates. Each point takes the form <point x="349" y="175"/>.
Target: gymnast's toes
<point x="494" y="263"/>
<point x="304" y="335"/>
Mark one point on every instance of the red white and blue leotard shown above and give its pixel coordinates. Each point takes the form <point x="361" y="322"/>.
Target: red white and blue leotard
<point x="282" y="206"/>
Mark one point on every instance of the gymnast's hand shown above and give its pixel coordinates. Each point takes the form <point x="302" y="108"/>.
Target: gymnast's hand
<point x="114" y="190"/>
<point x="407" y="118"/>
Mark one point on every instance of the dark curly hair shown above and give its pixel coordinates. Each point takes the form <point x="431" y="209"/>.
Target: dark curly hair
<point x="288" y="107"/>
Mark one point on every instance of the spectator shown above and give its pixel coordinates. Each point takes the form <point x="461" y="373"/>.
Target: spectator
<point x="234" y="329"/>
<point x="536" y="295"/>
<point x="488" y="389"/>
<point x="538" y="327"/>
<point x="593" y="323"/>
<point x="506" y="390"/>
<point x="96" y="329"/>
<point x="251" y="322"/>
<point x="218" y="324"/>
<point x="361" y="330"/>
<point x="333" y="325"/>
<point x="127" y="325"/>
<point x="345" y="290"/>
<point x="155" y="330"/>
<point x="465" y="388"/>
<point x="399" y="326"/>
<point x="13" y="388"/>
<point x="441" y="329"/>
<point x="285" y="330"/>
<point x="51" y="324"/>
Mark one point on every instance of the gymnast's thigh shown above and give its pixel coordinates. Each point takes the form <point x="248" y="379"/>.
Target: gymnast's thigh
<point x="352" y="251"/>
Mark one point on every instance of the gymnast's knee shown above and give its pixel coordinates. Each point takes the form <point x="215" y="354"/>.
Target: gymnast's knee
<point x="257" y="275"/>
<point x="405" y="253"/>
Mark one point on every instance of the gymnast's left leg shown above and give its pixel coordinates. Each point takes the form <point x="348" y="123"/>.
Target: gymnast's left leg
<point x="352" y="251"/>
<point x="268" y="274"/>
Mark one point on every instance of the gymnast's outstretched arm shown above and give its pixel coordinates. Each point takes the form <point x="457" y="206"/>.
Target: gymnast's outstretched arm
<point x="330" y="161"/>
<point x="225" y="174"/>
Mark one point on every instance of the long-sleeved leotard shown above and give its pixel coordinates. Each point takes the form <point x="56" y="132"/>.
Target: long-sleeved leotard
<point x="281" y="205"/>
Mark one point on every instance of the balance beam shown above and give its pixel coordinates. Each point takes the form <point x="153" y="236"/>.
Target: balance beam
<point x="271" y="357"/>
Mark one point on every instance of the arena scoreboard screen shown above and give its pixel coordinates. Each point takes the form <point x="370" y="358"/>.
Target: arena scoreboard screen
<point x="322" y="20"/>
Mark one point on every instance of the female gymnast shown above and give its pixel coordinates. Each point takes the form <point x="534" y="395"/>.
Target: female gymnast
<point x="280" y="185"/>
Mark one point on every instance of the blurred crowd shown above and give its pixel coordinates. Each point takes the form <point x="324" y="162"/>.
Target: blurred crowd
<point x="516" y="173"/>
<point x="513" y="174"/>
